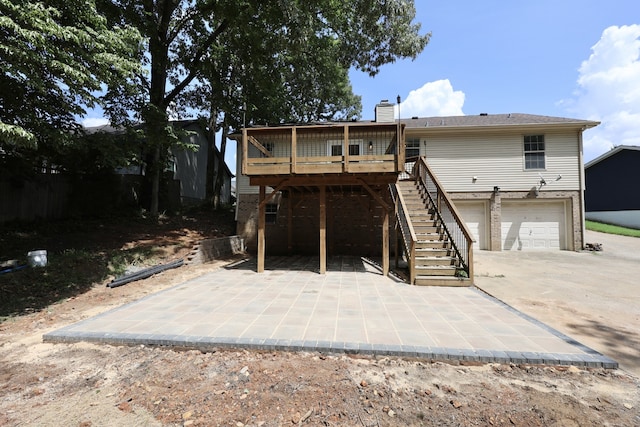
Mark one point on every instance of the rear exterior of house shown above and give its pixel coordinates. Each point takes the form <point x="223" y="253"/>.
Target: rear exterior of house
<point x="515" y="180"/>
<point x="610" y="187"/>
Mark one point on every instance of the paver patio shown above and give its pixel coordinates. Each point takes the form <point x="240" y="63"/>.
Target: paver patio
<point x="352" y="308"/>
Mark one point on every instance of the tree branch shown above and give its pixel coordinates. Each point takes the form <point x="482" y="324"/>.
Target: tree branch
<point x="195" y="62"/>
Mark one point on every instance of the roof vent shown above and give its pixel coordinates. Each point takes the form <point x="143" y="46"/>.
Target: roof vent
<point x="483" y="114"/>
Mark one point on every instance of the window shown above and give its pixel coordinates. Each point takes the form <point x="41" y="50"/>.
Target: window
<point x="412" y="148"/>
<point x="269" y="147"/>
<point x="335" y="147"/>
<point x="271" y="213"/>
<point x="534" y="152"/>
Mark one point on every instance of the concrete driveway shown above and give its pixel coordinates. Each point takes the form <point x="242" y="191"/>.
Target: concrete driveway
<point x="593" y="297"/>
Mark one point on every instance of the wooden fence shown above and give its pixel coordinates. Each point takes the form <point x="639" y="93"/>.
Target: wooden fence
<point x="59" y="196"/>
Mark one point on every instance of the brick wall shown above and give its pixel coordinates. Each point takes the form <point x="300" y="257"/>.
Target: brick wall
<point x="354" y="224"/>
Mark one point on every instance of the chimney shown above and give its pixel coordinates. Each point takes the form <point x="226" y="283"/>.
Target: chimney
<point x="384" y="112"/>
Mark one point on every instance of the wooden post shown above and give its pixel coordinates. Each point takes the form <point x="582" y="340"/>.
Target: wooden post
<point x="290" y="224"/>
<point x="245" y="151"/>
<point x="261" y="225"/>
<point x="294" y="150"/>
<point x="323" y="230"/>
<point x="345" y="149"/>
<point x="385" y="243"/>
<point x="396" y="228"/>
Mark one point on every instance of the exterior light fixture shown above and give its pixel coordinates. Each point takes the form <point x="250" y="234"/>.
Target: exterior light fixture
<point x="370" y="145"/>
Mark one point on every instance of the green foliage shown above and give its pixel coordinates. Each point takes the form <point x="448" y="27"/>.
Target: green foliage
<point x="286" y="60"/>
<point x="612" y="229"/>
<point x="56" y="57"/>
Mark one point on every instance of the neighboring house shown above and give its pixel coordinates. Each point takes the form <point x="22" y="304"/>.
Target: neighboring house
<point x="611" y="181"/>
<point x="515" y="179"/>
<point x="189" y="167"/>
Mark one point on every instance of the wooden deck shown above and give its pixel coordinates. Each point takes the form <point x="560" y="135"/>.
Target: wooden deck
<point x="316" y="158"/>
<point x="344" y="148"/>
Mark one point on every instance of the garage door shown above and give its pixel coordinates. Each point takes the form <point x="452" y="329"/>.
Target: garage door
<point x="474" y="215"/>
<point x="533" y="225"/>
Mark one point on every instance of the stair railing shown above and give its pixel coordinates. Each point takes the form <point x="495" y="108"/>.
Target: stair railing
<point x="406" y="229"/>
<point x="455" y="228"/>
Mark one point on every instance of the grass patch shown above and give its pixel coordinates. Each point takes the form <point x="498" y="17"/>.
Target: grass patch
<point x="612" y="229"/>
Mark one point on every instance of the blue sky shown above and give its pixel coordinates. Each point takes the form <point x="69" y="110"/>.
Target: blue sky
<point x="565" y="58"/>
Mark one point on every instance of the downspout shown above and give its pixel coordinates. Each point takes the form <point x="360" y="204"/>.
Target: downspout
<point x="582" y="190"/>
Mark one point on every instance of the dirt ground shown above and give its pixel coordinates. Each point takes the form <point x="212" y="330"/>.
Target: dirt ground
<point x="99" y="385"/>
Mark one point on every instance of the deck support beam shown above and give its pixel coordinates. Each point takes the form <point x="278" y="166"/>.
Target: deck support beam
<point x="323" y="229"/>
<point x="261" y="226"/>
<point x="385" y="243"/>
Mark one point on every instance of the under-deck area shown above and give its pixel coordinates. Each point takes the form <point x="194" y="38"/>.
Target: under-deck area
<point x="323" y="190"/>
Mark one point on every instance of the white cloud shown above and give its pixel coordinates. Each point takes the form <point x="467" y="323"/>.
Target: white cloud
<point x="433" y="99"/>
<point x="94" y="121"/>
<point x="609" y="90"/>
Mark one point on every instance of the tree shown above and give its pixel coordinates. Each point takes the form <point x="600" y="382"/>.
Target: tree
<point x="56" y="58"/>
<point x="191" y="43"/>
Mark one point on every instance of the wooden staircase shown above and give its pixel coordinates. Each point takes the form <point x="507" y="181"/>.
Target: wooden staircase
<point x="436" y="263"/>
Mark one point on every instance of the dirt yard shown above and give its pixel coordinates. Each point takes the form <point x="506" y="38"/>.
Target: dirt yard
<point x="98" y="385"/>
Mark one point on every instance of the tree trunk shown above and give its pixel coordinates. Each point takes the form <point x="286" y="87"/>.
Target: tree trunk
<point x="221" y="169"/>
<point x="211" y="158"/>
<point x="155" y="182"/>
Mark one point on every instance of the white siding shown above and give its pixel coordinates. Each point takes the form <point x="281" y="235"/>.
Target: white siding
<point x="191" y="166"/>
<point x="242" y="181"/>
<point x="497" y="159"/>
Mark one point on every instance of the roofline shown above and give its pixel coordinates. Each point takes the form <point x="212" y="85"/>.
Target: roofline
<point x="582" y="125"/>
<point x="611" y="153"/>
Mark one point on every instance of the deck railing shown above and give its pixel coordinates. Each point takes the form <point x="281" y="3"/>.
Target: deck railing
<point x="406" y="229"/>
<point x="454" y="226"/>
<point x="336" y="148"/>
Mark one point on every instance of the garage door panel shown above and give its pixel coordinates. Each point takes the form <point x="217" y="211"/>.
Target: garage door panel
<point x="533" y="225"/>
<point x="473" y="214"/>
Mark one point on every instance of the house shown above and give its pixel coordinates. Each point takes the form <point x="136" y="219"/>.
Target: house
<point x="610" y="194"/>
<point x="189" y="166"/>
<point x="516" y="179"/>
<point x="496" y="182"/>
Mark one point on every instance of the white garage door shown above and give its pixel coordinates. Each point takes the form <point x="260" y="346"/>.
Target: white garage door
<point x="533" y="225"/>
<point x="474" y="215"/>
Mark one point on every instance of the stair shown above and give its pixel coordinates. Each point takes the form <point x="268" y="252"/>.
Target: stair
<point x="436" y="262"/>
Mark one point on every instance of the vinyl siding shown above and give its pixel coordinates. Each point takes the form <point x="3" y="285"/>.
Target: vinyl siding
<point x="497" y="159"/>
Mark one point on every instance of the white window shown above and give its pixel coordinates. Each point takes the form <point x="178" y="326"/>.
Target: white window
<point x="534" y="157"/>
<point x="271" y="213"/>
<point x="412" y="148"/>
<point x="269" y="146"/>
<point x="334" y="147"/>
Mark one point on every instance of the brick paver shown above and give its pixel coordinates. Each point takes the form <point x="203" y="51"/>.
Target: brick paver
<point x="352" y="308"/>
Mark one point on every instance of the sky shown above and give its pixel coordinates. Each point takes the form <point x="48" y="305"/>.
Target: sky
<point x="563" y="58"/>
